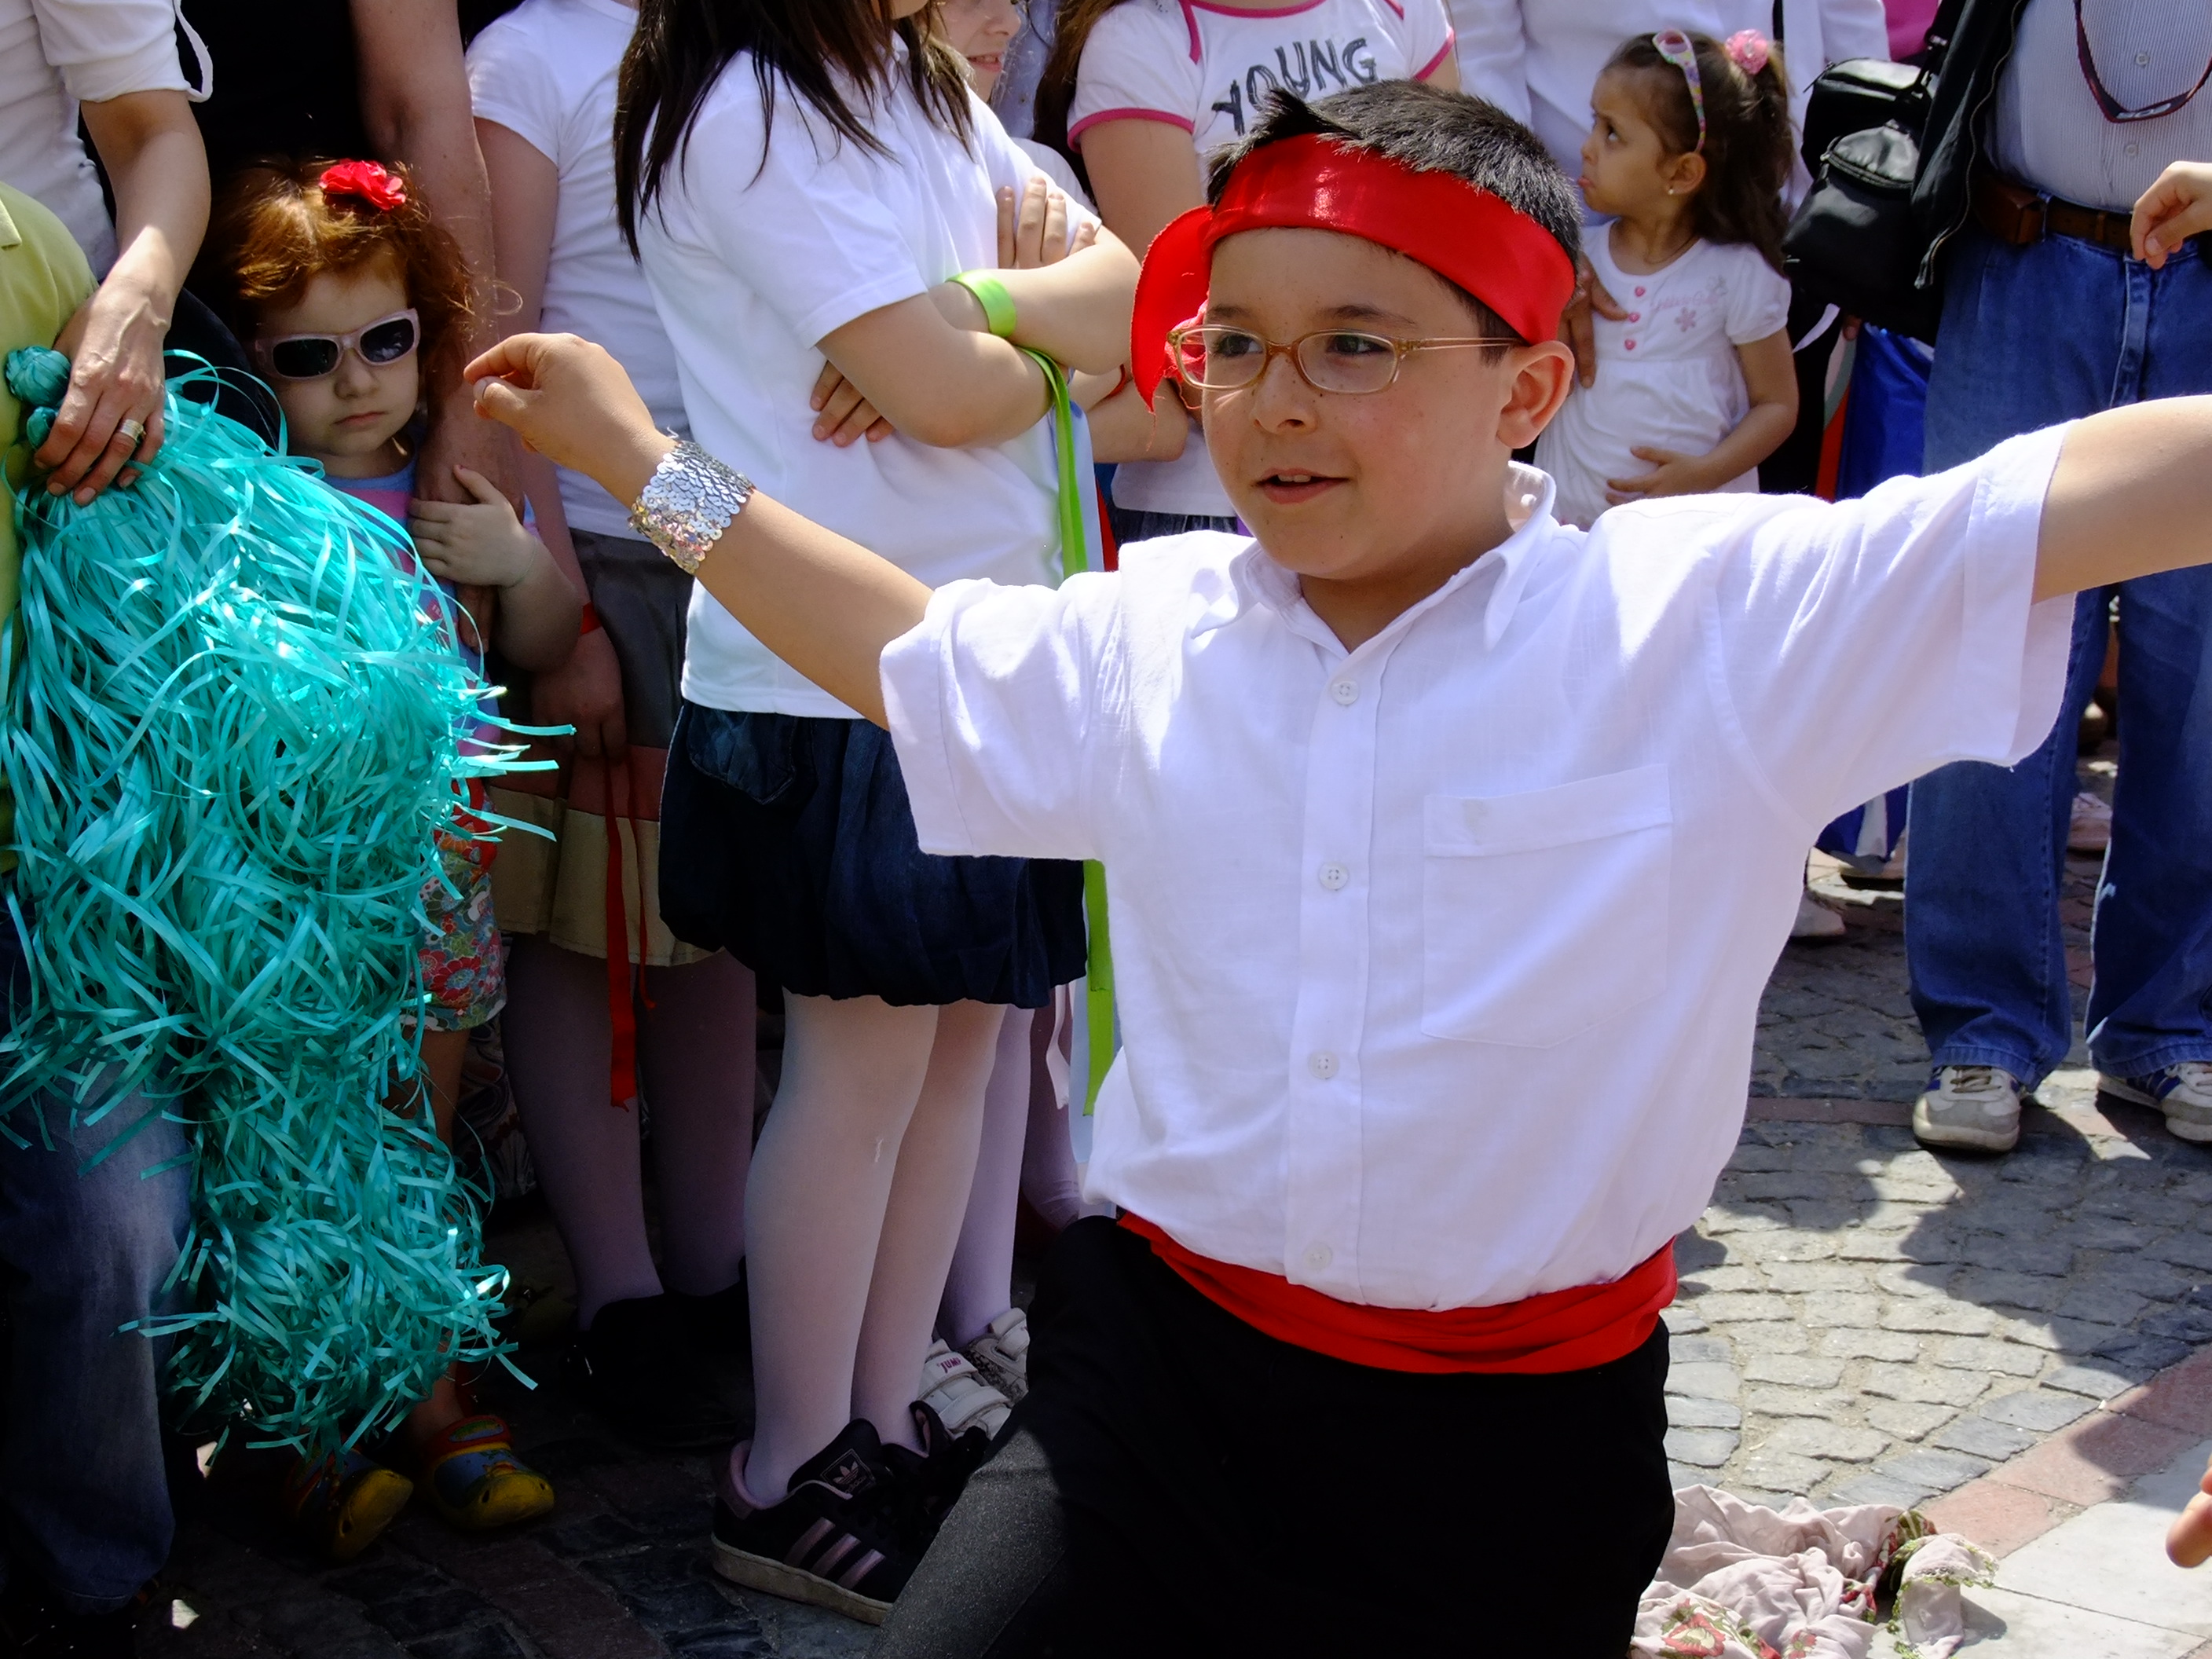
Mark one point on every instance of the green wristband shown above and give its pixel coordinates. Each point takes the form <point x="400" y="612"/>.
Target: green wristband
<point x="991" y="294"/>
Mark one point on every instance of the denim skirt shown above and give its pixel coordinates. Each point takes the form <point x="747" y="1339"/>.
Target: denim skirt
<point x="788" y="841"/>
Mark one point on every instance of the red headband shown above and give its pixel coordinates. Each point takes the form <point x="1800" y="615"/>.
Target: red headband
<point x="1465" y="235"/>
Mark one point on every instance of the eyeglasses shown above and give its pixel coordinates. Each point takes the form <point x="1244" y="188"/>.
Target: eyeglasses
<point x="1222" y="359"/>
<point x="311" y="357"/>
<point x="1674" y="47"/>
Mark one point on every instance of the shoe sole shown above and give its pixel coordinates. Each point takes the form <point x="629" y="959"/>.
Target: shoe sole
<point x="1930" y="1134"/>
<point x="761" y="1573"/>
<point x="2181" y="1128"/>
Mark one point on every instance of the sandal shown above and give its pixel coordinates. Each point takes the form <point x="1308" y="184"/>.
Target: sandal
<point x="472" y="1477"/>
<point x="344" y="1501"/>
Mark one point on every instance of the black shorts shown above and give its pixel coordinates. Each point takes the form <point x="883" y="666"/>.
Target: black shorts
<point x="789" y="840"/>
<point x="1176" y="1482"/>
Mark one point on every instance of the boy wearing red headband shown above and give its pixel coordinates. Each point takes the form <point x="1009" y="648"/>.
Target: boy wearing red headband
<point x="1437" y="1028"/>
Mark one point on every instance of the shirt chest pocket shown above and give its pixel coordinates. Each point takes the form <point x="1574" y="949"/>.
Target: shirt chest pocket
<point x="1545" y="913"/>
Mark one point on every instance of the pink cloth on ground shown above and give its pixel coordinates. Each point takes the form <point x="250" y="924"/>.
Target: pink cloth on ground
<point x="1742" y="1582"/>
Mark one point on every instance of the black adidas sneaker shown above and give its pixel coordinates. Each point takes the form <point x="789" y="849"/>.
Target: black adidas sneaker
<point x="837" y="1542"/>
<point x="926" y="1484"/>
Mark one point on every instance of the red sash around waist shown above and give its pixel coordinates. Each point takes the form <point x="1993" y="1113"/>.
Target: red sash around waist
<point x="1568" y="1330"/>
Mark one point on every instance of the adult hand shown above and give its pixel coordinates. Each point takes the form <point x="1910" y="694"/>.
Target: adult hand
<point x="570" y="401"/>
<point x="1578" y="330"/>
<point x="1673" y="474"/>
<point x="2177" y="206"/>
<point x="585" y="692"/>
<point x="113" y="343"/>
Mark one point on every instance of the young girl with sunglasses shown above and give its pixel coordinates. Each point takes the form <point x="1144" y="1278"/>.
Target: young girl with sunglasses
<point x="1689" y="149"/>
<point x="804" y="179"/>
<point x="340" y="286"/>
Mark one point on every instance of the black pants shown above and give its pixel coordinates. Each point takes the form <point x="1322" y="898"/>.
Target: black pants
<point x="1177" y="1482"/>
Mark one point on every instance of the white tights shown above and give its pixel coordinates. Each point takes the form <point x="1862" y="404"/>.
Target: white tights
<point x="695" y="1063"/>
<point x="858" y="1188"/>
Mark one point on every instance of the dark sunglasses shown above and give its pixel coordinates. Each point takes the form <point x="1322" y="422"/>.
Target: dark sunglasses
<point x="311" y="357"/>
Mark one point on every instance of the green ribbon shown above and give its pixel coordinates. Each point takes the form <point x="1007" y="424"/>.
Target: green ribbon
<point x="1074" y="558"/>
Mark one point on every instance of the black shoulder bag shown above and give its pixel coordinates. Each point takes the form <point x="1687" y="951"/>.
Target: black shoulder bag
<point x="1854" y="243"/>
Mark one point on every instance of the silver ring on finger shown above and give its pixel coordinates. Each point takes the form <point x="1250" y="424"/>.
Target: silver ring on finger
<point x="133" y="430"/>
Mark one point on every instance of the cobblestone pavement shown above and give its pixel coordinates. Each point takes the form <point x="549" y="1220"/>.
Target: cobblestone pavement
<point x="1859" y="1320"/>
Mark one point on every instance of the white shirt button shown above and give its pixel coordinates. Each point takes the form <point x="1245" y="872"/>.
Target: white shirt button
<point x="2134" y="147"/>
<point x="1321" y="1064"/>
<point x="1319" y="1256"/>
<point x="2142" y="59"/>
<point x="1333" y="875"/>
<point x="1345" y="691"/>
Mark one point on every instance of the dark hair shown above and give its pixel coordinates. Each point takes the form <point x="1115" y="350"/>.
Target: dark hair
<point x="273" y="231"/>
<point x="820" y="48"/>
<point x="1429" y="131"/>
<point x="1749" y="144"/>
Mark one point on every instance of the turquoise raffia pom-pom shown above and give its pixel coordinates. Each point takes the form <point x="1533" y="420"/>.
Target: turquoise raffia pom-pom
<point x="234" y="724"/>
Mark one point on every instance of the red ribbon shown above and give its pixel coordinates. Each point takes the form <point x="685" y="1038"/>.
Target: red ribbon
<point x="1465" y="234"/>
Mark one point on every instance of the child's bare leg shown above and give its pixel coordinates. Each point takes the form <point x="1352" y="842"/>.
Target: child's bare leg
<point x="443" y="1054"/>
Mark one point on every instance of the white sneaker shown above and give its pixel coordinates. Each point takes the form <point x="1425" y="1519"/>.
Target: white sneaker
<point x="2183" y="1091"/>
<point x="1002" y="1353"/>
<point x="1976" y="1106"/>
<point x="956" y="1392"/>
<point x="1815" y="920"/>
<point x="2089" y="825"/>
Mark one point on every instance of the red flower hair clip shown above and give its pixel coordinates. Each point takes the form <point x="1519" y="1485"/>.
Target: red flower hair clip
<point x="364" y="181"/>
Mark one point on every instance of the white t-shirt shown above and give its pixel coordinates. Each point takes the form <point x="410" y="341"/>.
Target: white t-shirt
<point x="752" y="258"/>
<point x="1538" y="59"/>
<point x="55" y="54"/>
<point x="1207" y="69"/>
<point x="546" y="72"/>
<point x="1668" y="377"/>
<point x="1431" y="997"/>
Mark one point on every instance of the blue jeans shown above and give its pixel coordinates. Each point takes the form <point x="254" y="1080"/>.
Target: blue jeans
<point x="83" y="1496"/>
<point x="2031" y="337"/>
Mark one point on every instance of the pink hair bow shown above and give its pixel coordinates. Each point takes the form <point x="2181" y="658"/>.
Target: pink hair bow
<point x="1749" y="49"/>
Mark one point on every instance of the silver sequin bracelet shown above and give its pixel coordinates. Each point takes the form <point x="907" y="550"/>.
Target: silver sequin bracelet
<point x="688" y="503"/>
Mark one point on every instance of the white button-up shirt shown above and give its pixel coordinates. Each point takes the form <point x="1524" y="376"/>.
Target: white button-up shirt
<point x="1438" y="960"/>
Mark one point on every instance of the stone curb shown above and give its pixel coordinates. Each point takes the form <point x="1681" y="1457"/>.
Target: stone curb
<point x="2090" y="1461"/>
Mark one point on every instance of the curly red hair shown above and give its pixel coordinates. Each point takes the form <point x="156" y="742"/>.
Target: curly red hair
<point x="276" y="229"/>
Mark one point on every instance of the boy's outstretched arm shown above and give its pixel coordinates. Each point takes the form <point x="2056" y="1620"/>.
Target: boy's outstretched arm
<point x="2131" y="496"/>
<point x="825" y="606"/>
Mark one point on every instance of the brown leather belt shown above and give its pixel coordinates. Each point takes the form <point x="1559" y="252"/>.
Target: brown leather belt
<point x="2012" y="213"/>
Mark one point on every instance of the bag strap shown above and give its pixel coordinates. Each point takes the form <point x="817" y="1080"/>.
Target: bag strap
<point x="1075" y="558"/>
